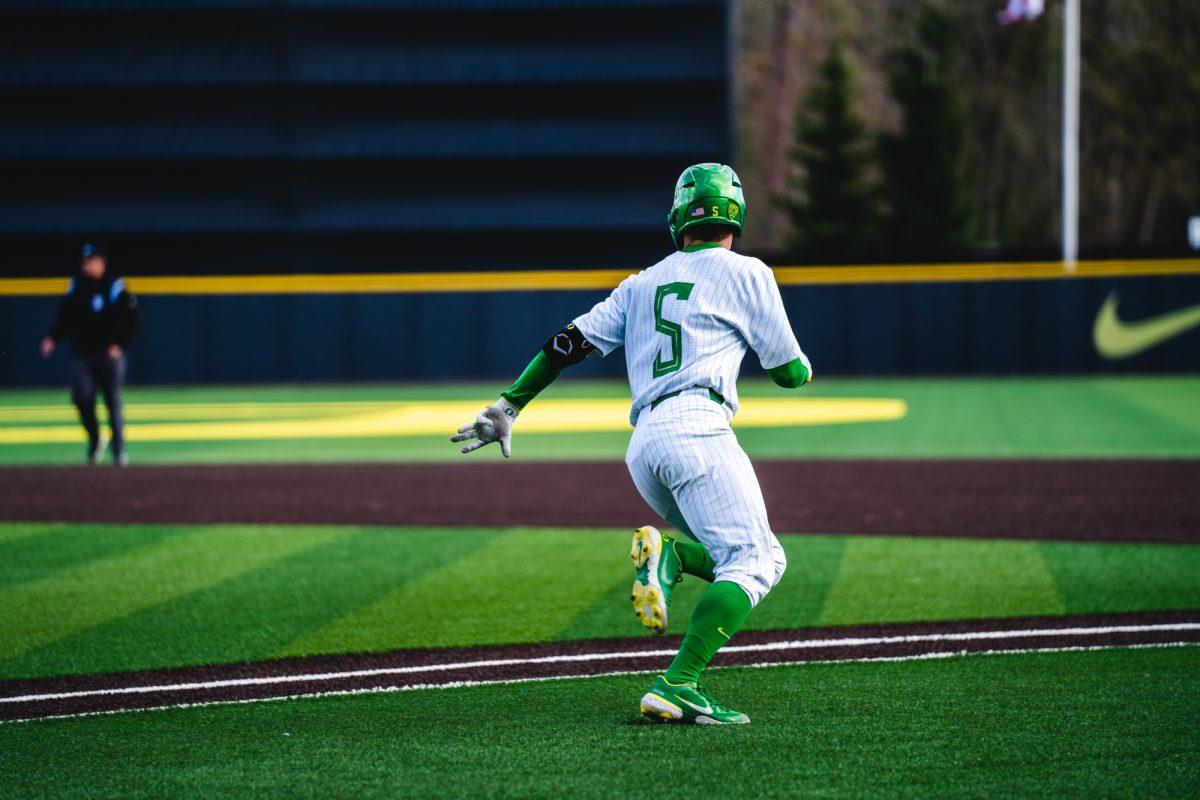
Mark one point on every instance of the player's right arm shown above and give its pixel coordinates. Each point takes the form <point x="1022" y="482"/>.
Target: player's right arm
<point x="600" y="330"/>
<point x="769" y="333"/>
<point x="63" y="324"/>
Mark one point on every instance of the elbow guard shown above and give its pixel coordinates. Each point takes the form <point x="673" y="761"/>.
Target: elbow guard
<point x="567" y="347"/>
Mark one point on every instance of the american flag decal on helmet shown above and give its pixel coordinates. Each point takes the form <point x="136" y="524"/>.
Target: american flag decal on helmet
<point x="698" y="211"/>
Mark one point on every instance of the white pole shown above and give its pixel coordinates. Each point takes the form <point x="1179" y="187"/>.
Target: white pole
<point x="1070" y="136"/>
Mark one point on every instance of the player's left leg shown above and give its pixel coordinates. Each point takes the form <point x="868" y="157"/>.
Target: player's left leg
<point x="660" y="560"/>
<point x="83" y="396"/>
<point x="657" y="567"/>
<point x="693" y="558"/>
<point x="724" y="506"/>
<point x="656" y="572"/>
<point x="112" y="376"/>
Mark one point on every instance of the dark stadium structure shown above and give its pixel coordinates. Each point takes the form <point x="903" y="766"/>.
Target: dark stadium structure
<point x="342" y="136"/>
<point x="334" y="137"/>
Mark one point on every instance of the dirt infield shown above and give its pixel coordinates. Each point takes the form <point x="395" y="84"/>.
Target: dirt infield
<point x="431" y="668"/>
<point x="1119" y="500"/>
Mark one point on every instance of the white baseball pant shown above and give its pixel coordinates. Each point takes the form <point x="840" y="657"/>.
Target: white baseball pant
<point x="688" y="466"/>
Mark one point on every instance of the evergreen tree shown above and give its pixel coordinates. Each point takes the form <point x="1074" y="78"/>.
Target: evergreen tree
<point x="925" y="182"/>
<point x="833" y="207"/>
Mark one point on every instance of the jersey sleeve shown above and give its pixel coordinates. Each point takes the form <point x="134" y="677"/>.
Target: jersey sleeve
<point x="604" y="325"/>
<point x="765" y="325"/>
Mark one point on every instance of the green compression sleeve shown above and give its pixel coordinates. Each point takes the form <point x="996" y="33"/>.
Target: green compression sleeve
<point x="537" y="376"/>
<point x="694" y="559"/>
<point x="791" y="374"/>
<point x="721" y="611"/>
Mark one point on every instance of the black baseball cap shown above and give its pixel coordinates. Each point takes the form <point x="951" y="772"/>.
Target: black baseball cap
<point x="92" y="250"/>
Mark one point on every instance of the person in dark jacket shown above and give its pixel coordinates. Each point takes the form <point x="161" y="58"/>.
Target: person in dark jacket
<point x="99" y="317"/>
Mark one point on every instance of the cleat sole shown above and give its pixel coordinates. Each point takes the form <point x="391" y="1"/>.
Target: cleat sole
<point x="660" y="710"/>
<point x="642" y="547"/>
<point x="649" y="602"/>
<point x="649" y="607"/>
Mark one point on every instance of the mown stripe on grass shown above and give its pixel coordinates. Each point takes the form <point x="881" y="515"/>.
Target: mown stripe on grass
<point x="1141" y="416"/>
<point x="15" y="531"/>
<point x="611" y="614"/>
<point x="799" y="598"/>
<point x="278" y="602"/>
<point x="270" y="609"/>
<point x="47" y="548"/>
<point x="900" y="579"/>
<point x="72" y="600"/>
<point x="524" y="585"/>
<point x="1175" y="401"/>
<point x="1124" y="577"/>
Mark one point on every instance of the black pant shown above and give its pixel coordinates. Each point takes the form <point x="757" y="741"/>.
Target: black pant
<point x="89" y="372"/>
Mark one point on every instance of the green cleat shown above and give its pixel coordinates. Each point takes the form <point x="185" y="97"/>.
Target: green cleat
<point x="658" y="571"/>
<point x="668" y="702"/>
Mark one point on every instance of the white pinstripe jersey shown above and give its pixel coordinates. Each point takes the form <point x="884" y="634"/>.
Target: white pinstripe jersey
<point x="687" y="321"/>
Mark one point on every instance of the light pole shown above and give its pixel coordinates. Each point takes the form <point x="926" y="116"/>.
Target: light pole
<point x="1070" y="136"/>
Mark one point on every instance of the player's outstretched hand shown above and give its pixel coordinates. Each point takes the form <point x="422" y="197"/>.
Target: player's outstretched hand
<point x="493" y="424"/>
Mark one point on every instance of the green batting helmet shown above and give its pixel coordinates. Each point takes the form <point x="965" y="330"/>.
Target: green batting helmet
<point x="707" y="194"/>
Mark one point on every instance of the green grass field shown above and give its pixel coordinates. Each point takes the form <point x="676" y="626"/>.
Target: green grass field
<point x="984" y="418"/>
<point x="84" y="599"/>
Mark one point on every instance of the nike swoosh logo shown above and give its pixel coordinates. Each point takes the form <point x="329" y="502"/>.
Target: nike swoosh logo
<point x="1115" y="339"/>
<point x="723" y="633"/>
<point x="698" y="709"/>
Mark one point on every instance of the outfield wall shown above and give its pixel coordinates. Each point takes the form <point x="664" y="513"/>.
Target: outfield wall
<point x="938" y="319"/>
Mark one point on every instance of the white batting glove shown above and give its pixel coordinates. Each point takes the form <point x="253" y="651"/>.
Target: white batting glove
<point x="494" y="424"/>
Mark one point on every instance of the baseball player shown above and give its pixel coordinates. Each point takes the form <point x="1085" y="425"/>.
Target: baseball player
<point x="685" y="323"/>
<point x="99" y="317"/>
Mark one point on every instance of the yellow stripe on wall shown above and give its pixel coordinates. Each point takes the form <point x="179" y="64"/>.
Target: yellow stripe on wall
<point x="547" y="280"/>
<point x="988" y="271"/>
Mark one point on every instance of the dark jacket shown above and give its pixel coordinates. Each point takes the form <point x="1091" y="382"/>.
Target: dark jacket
<point x="95" y="314"/>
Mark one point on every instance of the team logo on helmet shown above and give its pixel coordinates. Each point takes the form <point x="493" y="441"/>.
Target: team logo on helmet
<point x="733" y="210"/>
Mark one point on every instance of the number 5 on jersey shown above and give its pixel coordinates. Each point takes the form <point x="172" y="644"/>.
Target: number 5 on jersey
<point x="672" y="330"/>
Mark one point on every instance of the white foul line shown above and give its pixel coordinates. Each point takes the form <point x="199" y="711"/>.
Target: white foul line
<point x="804" y="644"/>
<point x="545" y="678"/>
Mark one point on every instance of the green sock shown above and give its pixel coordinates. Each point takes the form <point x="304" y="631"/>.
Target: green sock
<point x="694" y="559"/>
<point x="721" y="611"/>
